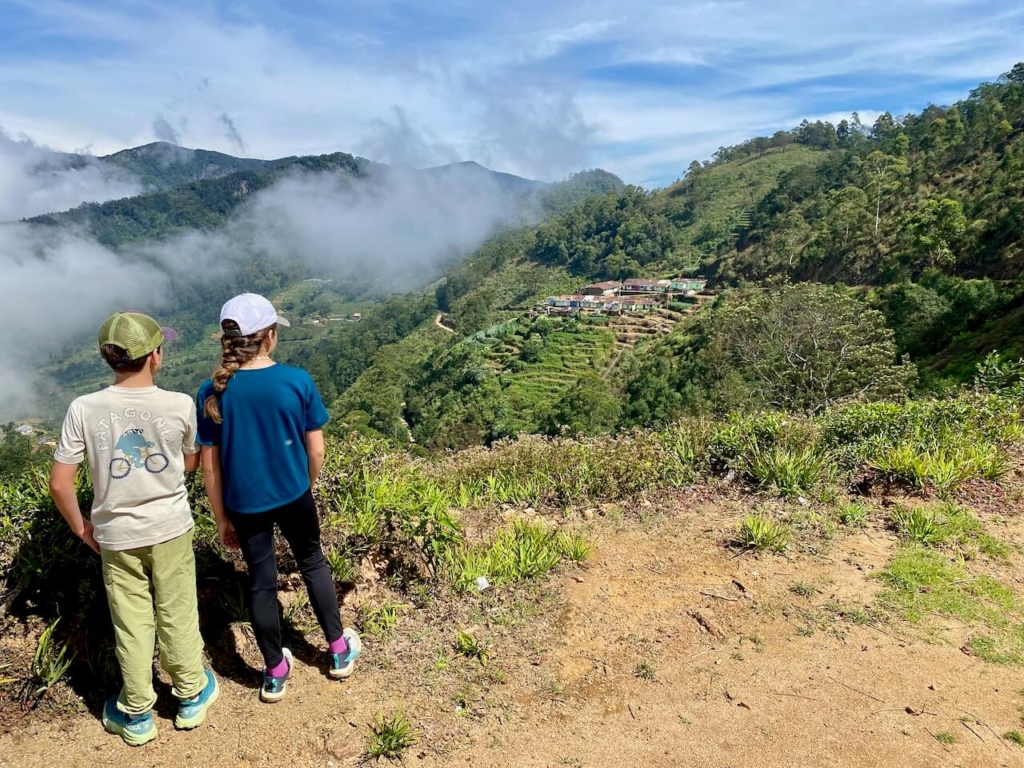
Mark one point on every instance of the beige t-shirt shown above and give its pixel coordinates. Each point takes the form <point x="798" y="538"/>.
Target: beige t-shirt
<point x="134" y="440"/>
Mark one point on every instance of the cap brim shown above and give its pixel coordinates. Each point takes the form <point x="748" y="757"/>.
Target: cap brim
<point x="282" y="321"/>
<point x="169" y="333"/>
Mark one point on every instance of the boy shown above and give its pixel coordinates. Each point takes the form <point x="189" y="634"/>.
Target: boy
<point x="139" y="441"/>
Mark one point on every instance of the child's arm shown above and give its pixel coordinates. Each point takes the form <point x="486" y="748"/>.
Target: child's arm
<point x="213" y="480"/>
<point x="315" y="454"/>
<point x="191" y="462"/>
<point x="62" y="489"/>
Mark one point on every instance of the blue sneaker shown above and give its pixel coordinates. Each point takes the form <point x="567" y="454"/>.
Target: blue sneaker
<point x="135" y="731"/>
<point x="341" y="665"/>
<point x="274" y="687"/>
<point x="192" y="712"/>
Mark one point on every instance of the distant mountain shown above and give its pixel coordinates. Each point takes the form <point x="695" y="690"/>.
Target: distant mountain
<point x="473" y="170"/>
<point x="198" y="189"/>
<point x="161" y="165"/>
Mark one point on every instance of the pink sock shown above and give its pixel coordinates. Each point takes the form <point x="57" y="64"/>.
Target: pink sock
<point x="280" y="670"/>
<point x="338" y="646"/>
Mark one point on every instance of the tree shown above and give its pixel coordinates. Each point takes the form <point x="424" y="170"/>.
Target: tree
<point x="588" y="408"/>
<point x="532" y="350"/>
<point x="884" y="175"/>
<point x="849" y="212"/>
<point x="789" y="236"/>
<point x="804" y="347"/>
<point x="936" y="227"/>
<point x="15" y="452"/>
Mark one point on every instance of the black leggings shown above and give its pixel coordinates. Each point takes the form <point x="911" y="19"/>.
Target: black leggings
<point x="300" y="526"/>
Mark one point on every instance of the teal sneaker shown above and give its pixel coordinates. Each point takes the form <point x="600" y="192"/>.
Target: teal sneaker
<point x="342" y="664"/>
<point x="135" y="731"/>
<point x="274" y="688"/>
<point x="192" y="712"/>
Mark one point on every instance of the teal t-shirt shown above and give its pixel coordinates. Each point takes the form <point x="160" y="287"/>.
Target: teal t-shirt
<point x="266" y="415"/>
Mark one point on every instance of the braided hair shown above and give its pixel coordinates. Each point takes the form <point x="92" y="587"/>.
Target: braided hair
<point x="236" y="351"/>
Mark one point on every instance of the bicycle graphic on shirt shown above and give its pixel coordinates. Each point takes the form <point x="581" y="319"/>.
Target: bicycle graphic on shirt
<point x="152" y="461"/>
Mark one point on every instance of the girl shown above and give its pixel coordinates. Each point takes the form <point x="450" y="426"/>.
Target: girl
<point x="262" y="448"/>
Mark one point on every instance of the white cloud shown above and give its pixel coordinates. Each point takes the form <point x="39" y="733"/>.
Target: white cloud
<point x="301" y="84"/>
<point x="398" y="226"/>
<point x="35" y="180"/>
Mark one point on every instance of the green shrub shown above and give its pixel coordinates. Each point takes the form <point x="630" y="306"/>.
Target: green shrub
<point x="381" y="620"/>
<point x="573" y="546"/>
<point x="340" y="563"/>
<point x="764" y="534"/>
<point x="853" y="514"/>
<point x="391" y="736"/>
<point x="788" y="471"/>
<point x="51" y="660"/>
<point x="466" y="644"/>
<point x="522" y="551"/>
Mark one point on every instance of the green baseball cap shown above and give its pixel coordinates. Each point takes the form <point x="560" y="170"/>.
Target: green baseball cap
<point x="136" y="333"/>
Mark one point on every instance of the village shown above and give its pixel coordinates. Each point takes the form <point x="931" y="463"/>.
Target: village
<point x="635" y="295"/>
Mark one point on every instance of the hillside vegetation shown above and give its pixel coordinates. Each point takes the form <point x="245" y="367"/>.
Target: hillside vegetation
<point x="918" y="216"/>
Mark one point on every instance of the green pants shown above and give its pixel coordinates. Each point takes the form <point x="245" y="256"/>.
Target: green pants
<point x="162" y="576"/>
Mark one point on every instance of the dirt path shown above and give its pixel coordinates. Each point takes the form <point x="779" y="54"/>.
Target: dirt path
<point x="439" y="324"/>
<point x="667" y="650"/>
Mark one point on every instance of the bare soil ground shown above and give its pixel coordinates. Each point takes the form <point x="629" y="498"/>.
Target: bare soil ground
<point x="667" y="649"/>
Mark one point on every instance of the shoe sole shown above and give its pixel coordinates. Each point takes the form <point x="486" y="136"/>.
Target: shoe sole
<point x="128" y="738"/>
<point x="195" y="722"/>
<point x="273" y="698"/>
<point x="344" y="672"/>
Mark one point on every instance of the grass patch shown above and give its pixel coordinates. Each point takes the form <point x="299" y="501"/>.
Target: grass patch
<point x="381" y="620"/>
<point x="762" y="533"/>
<point x="340" y="563"/>
<point x="644" y="670"/>
<point x="574" y="547"/>
<point x="853" y="515"/>
<point x="1004" y="648"/>
<point x="523" y="551"/>
<point x="391" y="736"/>
<point x="803" y="589"/>
<point x="1015" y="737"/>
<point x="947" y="526"/>
<point x="466" y="644"/>
<point x="921" y="581"/>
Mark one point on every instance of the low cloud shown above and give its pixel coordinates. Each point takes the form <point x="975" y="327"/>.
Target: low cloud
<point x="399" y="226"/>
<point x="231" y="132"/>
<point x="397" y="141"/>
<point x="164" y="131"/>
<point x="35" y="180"/>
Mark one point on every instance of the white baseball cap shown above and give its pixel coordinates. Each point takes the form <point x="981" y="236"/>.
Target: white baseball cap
<point x="252" y="313"/>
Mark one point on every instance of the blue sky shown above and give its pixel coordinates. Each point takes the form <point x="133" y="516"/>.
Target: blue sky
<point x="536" y="87"/>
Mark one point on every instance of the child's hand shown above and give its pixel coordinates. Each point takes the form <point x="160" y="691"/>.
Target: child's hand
<point x="226" y="534"/>
<point x="87" y="536"/>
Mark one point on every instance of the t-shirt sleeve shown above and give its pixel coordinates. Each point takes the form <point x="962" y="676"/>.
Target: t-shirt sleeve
<point x="71" y="447"/>
<point x="189" y="439"/>
<point x="316" y="414"/>
<point x="207" y="430"/>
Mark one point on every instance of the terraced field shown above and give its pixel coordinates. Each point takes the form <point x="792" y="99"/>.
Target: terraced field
<point x="566" y="355"/>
